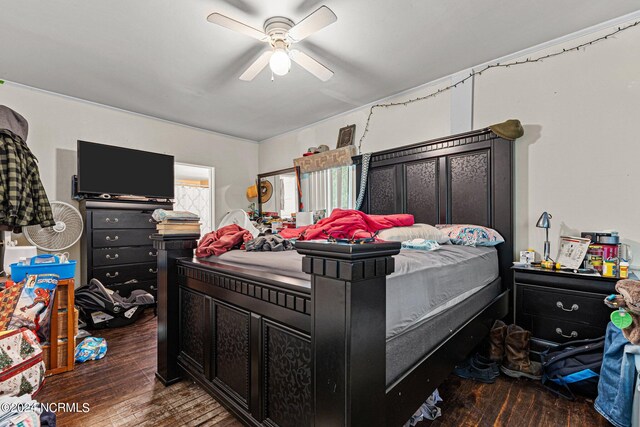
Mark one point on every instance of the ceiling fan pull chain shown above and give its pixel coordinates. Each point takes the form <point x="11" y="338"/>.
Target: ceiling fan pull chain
<point x="272" y="77"/>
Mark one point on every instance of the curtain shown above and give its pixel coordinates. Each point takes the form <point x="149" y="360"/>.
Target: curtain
<point x="329" y="189"/>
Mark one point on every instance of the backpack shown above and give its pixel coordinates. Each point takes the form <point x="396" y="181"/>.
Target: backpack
<point x="573" y="368"/>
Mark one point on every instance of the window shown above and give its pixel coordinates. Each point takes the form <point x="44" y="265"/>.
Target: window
<point x="194" y="192"/>
<point x="329" y="189"/>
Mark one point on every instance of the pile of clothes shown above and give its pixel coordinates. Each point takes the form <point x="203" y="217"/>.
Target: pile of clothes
<point x="619" y="385"/>
<point x="628" y="299"/>
<point x="341" y="224"/>
<point x="348" y="224"/>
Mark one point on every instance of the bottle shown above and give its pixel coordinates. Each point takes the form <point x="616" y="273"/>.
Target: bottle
<point x="624" y="269"/>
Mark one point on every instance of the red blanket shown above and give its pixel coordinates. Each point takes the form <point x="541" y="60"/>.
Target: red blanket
<point x="347" y="224"/>
<point x="222" y="240"/>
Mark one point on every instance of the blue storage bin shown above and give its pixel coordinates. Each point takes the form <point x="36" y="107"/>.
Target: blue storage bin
<point x="43" y="264"/>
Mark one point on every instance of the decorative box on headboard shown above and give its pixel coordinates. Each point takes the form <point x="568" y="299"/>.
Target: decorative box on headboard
<point x="328" y="159"/>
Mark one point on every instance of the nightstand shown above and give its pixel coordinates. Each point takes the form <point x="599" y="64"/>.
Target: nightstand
<point x="558" y="306"/>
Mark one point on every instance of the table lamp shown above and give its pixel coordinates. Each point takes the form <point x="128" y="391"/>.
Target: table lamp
<point x="544" y="222"/>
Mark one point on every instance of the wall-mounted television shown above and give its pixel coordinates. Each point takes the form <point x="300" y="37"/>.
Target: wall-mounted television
<point x="117" y="171"/>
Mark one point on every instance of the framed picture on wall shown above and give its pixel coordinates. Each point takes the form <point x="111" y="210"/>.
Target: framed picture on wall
<point x="345" y="136"/>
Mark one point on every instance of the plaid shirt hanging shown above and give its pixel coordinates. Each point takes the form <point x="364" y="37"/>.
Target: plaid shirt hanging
<point x="23" y="200"/>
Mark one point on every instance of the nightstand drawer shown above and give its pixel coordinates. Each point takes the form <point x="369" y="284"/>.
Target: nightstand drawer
<point x="561" y="331"/>
<point x="576" y="307"/>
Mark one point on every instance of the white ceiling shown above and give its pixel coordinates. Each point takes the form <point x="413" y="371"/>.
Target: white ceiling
<point x="162" y="58"/>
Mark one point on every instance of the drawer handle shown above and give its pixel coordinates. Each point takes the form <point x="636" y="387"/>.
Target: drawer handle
<point x="111" y="276"/>
<point x="112" y="220"/>
<point x="153" y="270"/>
<point x="109" y="238"/>
<point x="151" y="253"/>
<point x="574" y="307"/>
<point x="150" y="236"/>
<point x="152" y="287"/>
<point x="151" y="220"/>
<point x="574" y="334"/>
<point x="116" y="256"/>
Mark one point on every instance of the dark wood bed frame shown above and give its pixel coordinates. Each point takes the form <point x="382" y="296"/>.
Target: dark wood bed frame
<point x="279" y="351"/>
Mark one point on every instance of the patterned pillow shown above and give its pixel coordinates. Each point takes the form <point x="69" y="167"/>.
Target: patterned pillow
<point x="8" y="301"/>
<point x="471" y="235"/>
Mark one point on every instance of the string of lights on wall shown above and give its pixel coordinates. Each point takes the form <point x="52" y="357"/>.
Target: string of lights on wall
<point x="486" y="68"/>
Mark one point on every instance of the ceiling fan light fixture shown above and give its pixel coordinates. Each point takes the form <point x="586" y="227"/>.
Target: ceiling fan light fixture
<point x="280" y="63"/>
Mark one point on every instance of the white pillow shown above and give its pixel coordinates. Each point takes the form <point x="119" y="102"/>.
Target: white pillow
<point x="416" y="231"/>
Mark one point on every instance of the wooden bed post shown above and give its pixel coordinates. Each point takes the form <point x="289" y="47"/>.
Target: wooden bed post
<point x="348" y="329"/>
<point x="170" y="248"/>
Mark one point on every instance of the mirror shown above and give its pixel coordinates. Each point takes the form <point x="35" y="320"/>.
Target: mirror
<point x="278" y="192"/>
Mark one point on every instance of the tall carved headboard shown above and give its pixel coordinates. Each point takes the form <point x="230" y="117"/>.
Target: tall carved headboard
<point x="460" y="179"/>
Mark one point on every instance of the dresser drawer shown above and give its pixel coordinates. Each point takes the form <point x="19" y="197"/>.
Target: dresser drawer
<point x="122" y="219"/>
<point x="560" y="331"/>
<point x="124" y="273"/>
<point x="123" y="255"/>
<point x="118" y="237"/>
<point x="577" y="307"/>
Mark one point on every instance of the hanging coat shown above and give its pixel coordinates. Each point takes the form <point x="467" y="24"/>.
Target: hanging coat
<point x="23" y="200"/>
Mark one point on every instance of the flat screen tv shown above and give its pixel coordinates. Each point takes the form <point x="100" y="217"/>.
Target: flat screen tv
<point x="117" y="171"/>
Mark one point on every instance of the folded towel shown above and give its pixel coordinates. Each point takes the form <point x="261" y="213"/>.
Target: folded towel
<point x="421" y="244"/>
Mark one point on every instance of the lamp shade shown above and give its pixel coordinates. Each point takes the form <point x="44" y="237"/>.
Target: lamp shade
<point x="544" y="220"/>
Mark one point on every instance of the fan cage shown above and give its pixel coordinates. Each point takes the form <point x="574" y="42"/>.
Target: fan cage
<point x="63" y="235"/>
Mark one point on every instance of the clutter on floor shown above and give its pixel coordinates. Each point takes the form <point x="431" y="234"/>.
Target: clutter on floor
<point x="91" y="348"/>
<point x="509" y="347"/>
<point x="478" y="368"/>
<point x="36" y="416"/>
<point x="21" y="367"/>
<point x="427" y="411"/>
<point x="573" y="368"/>
<point x="32" y="309"/>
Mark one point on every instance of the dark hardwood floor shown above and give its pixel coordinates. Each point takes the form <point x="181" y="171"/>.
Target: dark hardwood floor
<point x="510" y="402"/>
<point x="121" y="390"/>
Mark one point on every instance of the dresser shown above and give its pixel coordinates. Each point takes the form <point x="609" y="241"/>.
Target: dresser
<point x="116" y="244"/>
<point x="559" y="306"/>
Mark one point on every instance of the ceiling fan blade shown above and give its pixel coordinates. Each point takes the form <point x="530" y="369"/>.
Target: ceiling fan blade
<point x="319" y="19"/>
<point x="257" y="66"/>
<point x="311" y="65"/>
<point x="232" y="24"/>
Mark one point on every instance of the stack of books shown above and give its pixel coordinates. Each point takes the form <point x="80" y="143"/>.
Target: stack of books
<point x="179" y="224"/>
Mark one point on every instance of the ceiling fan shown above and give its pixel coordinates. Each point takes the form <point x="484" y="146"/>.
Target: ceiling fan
<point x="281" y="33"/>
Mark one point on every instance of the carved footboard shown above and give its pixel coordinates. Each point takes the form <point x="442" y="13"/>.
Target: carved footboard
<point x="247" y="339"/>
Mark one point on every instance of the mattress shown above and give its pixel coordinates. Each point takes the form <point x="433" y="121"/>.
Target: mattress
<point x="422" y="285"/>
<point x="406" y="349"/>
